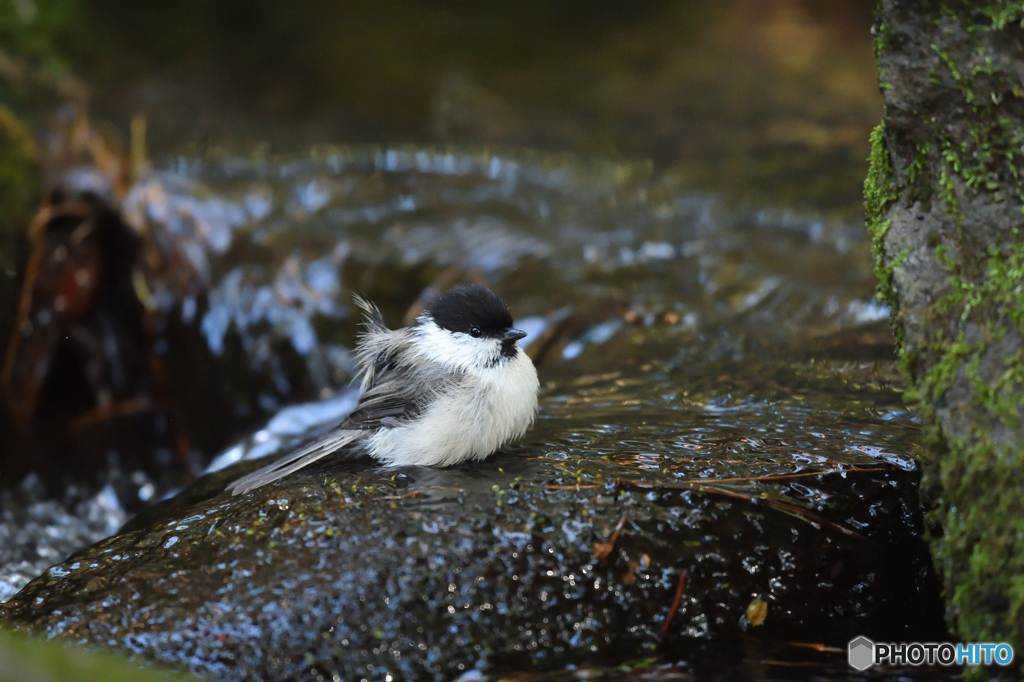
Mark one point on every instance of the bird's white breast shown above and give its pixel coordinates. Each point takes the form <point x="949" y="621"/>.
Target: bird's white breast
<point x="493" y="406"/>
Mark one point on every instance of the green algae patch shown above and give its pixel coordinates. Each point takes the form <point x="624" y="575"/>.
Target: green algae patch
<point x="953" y="268"/>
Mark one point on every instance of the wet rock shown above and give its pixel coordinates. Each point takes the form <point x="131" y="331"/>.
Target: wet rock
<point x="37" y="532"/>
<point x="779" y="489"/>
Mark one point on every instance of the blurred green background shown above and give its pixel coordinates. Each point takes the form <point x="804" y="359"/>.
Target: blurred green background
<point x="758" y="101"/>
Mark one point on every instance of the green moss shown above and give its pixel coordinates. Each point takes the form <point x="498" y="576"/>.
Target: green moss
<point x="981" y="513"/>
<point x="964" y="331"/>
<point x="919" y="175"/>
<point x="1003" y="14"/>
<point x="950" y="204"/>
<point x="991" y="153"/>
<point x="879" y="193"/>
<point x="978" y="546"/>
<point x="881" y="44"/>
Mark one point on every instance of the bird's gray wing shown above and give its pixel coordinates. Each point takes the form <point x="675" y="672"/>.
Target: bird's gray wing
<point x="396" y="394"/>
<point x="399" y="392"/>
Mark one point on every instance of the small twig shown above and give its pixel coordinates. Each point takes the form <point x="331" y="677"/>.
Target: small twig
<point x="688" y="483"/>
<point x="807" y="516"/>
<point x="675" y="604"/>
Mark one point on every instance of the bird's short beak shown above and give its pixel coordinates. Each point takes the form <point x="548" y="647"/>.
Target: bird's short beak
<point x="513" y="335"/>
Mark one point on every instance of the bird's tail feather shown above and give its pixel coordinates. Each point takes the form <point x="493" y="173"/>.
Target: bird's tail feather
<point x="319" y="448"/>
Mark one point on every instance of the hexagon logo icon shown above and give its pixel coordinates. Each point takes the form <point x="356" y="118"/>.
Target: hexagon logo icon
<point x="861" y="653"/>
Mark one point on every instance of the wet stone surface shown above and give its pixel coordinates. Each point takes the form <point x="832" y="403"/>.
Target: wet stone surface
<point x="353" y="570"/>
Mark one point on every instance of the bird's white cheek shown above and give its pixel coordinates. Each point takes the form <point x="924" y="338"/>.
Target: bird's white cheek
<point x="456" y="350"/>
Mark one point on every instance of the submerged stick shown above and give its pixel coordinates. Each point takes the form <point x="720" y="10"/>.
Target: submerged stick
<point x="675" y="604"/>
<point x="602" y="550"/>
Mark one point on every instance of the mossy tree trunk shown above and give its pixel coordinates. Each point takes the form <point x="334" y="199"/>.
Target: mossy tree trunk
<point x="944" y="200"/>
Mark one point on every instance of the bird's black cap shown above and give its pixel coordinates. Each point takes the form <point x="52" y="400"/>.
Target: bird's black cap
<point x="469" y="306"/>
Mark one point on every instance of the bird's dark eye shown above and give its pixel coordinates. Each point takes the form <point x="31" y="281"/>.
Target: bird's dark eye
<point x="475" y="332"/>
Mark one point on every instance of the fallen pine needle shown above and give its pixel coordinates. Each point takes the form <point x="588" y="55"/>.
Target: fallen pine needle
<point x="707" y="485"/>
<point x="818" y="647"/>
<point x="792" y="510"/>
<point x="675" y="604"/>
<point x="401" y="497"/>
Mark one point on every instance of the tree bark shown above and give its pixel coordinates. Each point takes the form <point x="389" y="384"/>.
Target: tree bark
<point x="944" y="200"/>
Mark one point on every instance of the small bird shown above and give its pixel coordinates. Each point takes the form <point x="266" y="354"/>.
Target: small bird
<point x="453" y="386"/>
